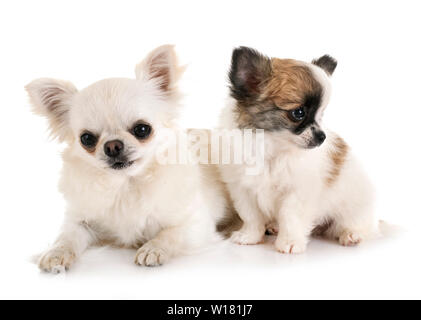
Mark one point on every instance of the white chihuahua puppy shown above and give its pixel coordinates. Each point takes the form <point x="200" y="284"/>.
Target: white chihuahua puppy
<point x="310" y="182"/>
<point x="116" y="191"/>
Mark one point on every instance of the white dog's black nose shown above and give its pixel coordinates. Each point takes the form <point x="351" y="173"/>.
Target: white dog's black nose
<point x="113" y="148"/>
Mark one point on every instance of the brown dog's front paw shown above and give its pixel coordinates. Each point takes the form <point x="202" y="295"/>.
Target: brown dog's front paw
<point x="349" y="239"/>
<point x="286" y="246"/>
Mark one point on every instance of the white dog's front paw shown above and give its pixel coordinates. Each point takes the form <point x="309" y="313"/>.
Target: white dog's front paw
<point x="247" y="237"/>
<point x="349" y="239"/>
<point x="57" y="260"/>
<point x="150" y="255"/>
<point x="286" y="246"/>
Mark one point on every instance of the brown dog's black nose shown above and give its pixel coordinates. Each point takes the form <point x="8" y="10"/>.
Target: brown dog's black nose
<point x="320" y="137"/>
<point x="113" y="148"/>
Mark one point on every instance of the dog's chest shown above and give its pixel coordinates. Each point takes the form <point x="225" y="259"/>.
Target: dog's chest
<point x="117" y="211"/>
<point x="269" y="187"/>
<point x="298" y="174"/>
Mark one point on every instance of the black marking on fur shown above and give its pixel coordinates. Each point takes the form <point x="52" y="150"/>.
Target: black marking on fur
<point x="265" y="115"/>
<point x="249" y="69"/>
<point x="120" y="162"/>
<point x="311" y="106"/>
<point x="327" y="63"/>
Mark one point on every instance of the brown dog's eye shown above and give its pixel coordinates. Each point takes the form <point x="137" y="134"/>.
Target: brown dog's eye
<point x="142" y="131"/>
<point x="298" y="114"/>
<point x="88" y="140"/>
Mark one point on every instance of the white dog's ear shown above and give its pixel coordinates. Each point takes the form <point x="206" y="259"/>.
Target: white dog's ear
<point x="161" y="65"/>
<point x="51" y="98"/>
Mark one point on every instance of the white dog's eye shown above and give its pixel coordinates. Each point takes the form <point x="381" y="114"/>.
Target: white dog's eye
<point x="88" y="140"/>
<point x="142" y="131"/>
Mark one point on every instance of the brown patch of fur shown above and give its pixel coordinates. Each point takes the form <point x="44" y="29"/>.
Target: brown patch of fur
<point x="231" y="223"/>
<point x="287" y="87"/>
<point x="163" y="65"/>
<point x="322" y="228"/>
<point x="289" y="84"/>
<point x="163" y="74"/>
<point x="104" y="237"/>
<point x="89" y="150"/>
<point x="337" y="156"/>
<point x="53" y="98"/>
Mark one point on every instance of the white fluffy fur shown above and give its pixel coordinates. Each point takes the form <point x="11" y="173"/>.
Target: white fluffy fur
<point x="164" y="211"/>
<point x="292" y="193"/>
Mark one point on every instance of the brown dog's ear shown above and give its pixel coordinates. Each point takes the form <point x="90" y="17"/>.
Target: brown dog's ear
<point x="161" y="65"/>
<point x="249" y="69"/>
<point x="327" y="63"/>
<point x="51" y="98"/>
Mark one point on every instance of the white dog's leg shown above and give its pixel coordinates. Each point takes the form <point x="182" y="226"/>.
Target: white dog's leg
<point x="254" y="226"/>
<point x="294" y="226"/>
<point x="72" y="242"/>
<point x="168" y="243"/>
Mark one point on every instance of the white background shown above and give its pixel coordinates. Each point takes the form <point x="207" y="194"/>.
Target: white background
<point x="375" y="107"/>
